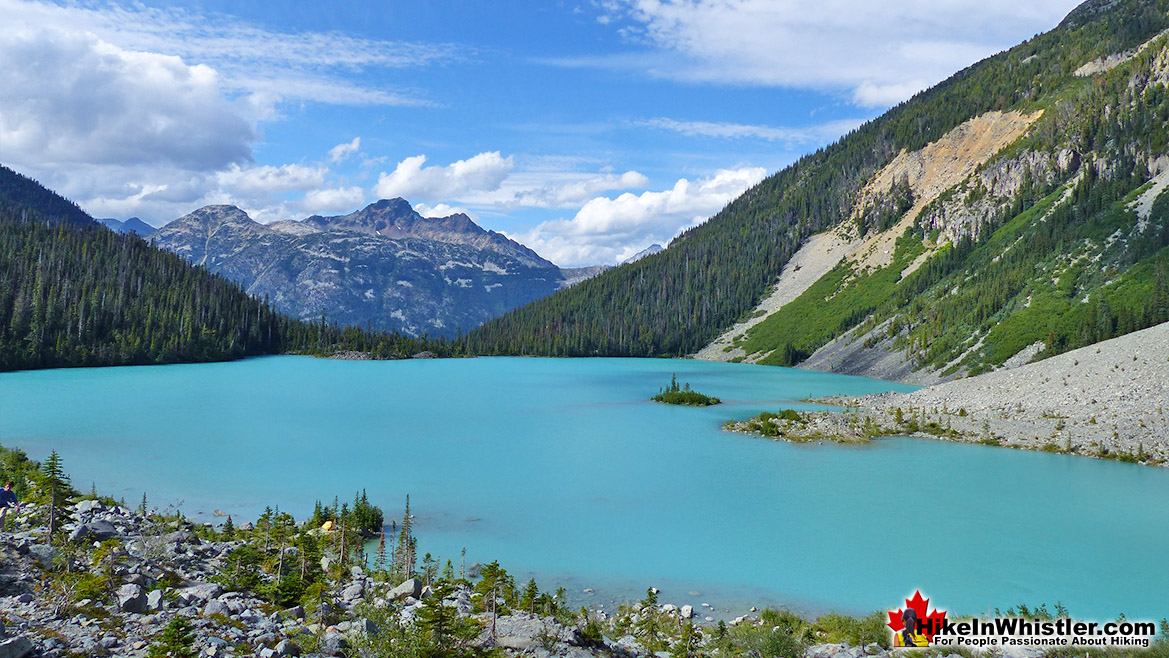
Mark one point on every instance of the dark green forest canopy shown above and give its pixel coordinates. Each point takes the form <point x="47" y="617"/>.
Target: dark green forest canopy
<point x="22" y="198"/>
<point x="73" y="293"/>
<point x="677" y="301"/>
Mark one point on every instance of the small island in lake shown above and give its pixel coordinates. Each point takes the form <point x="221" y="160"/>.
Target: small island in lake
<point x="683" y="395"/>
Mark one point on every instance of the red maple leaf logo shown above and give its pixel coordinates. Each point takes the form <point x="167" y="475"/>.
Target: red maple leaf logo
<point x="930" y="623"/>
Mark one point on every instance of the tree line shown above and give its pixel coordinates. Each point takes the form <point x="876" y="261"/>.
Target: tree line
<point x="675" y="302"/>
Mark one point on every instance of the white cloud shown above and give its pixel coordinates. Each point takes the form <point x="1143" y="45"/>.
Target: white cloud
<point x="441" y="210"/>
<point x="811" y="134"/>
<point x="608" y="230"/>
<point x="341" y="152"/>
<point x="270" y="181"/>
<point x="132" y="110"/>
<point x="252" y="60"/>
<point x="412" y="180"/>
<point x="881" y="52"/>
<point x="333" y="200"/>
<point x="489" y="180"/>
<point x="71" y="98"/>
<point x="572" y="189"/>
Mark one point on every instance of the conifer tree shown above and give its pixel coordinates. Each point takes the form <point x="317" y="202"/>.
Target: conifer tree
<point x="380" y="561"/>
<point x="648" y="628"/>
<point x="405" y="552"/>
<point x="56" y="488"/>
<point x="177" y="640"/>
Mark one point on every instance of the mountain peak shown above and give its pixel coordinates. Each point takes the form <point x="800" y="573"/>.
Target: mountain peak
<point x="397" y="204"/>
<point x="210" y="219"/>
<point x="648" y="251"/>
<point x="133" y="225"/>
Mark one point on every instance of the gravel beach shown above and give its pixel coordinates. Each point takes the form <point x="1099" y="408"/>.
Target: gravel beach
<point x="1107" y="400"/>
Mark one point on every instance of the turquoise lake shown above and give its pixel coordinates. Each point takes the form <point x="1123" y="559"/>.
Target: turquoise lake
<point x="564" y="470"/>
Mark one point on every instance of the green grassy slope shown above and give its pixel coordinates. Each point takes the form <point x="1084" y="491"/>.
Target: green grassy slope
<point x="677" y="301"/>
<point x="1067" y="265"/>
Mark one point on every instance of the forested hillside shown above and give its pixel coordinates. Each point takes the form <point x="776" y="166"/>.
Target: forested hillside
<point x="677" y="301"/>
<point x="73" y="293"/>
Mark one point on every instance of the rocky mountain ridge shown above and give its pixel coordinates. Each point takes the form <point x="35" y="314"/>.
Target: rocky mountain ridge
<point x="133" y="225"/>
<point x="383" y="266"/>
<point x="648" y="251"/>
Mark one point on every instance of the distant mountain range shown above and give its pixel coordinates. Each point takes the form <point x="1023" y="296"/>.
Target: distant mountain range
<point x="384" y="266"/>
<point x="132" y="225"/>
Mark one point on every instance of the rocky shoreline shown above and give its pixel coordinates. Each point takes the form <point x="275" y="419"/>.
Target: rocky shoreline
<point x="156" y="574"/>
<point x="160" y="570"/>
<point x="1109" y="400"/>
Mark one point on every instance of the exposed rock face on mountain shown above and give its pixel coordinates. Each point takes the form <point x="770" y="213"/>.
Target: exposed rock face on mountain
<point x="648" y="251"/>
<point x="384" y="265"/>
<point x="1016" y="211"/>
<point x="132" y="225"/>
<point x="574" y="275"/>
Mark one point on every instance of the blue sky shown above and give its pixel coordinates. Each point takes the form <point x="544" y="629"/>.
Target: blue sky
<point x="587" y="129"/>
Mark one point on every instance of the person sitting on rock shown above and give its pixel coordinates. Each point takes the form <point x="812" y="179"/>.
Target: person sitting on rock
<point x="7" y="500"/>
<point x="909" y="636"/>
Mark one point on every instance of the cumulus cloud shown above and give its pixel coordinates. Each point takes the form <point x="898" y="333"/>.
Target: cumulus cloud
<point x="269" y="65"/>
<point x="607" y="230"/>
<point x="880" y="52"/>
<point x="341" y="152"/>
<point x="602" y="228"/>
<point x="133" y="110"/>
<point x="333" y="200"/>
<point x="412" y="180"/>
<point x="489" y="180"/>
<point x="570" y="189"/>
<point x="68" y="98"/>
<point x="441" y="210"/>
<point x="268" y="180"/>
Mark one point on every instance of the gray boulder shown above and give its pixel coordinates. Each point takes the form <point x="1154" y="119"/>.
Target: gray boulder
<point x="89" y="506"/>
<point x="15" y="647"/>
<point x="93" y="531"/>
<point x="216" y="607"/>
<point x="522" y="632"/>
<point x="353" y="592"/>
<point x="295" y="612"/>
<point x="333" y="644"/>
<point x="287" y="648"/>
<point x="131" y="598"/>
<point x="200" y="593"/>
<point x="154" y="600"/>
<point x="410" y="589"/>
<point x="180" y="537"/>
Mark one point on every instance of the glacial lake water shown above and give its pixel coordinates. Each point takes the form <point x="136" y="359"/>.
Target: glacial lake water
<point x="564" y="470"/>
